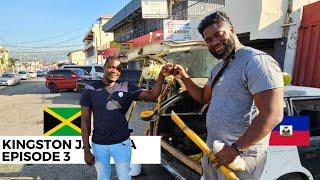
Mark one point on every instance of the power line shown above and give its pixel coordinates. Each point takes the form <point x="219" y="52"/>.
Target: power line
<point x="36" y="52"/>
<point x="29" y="47"/>
<point x="63" y="41"/>
<point x="48" y="38"/>
<point x="48" y="46"/>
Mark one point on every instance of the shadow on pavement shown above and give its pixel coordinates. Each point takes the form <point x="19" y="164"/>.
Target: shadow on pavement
<point x="54" y="172"/>
<point x="80" y="172"/>
<point x="64" y="97"/>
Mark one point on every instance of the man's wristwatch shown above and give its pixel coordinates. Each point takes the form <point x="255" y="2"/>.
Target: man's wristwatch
<point x="235" y="147"/>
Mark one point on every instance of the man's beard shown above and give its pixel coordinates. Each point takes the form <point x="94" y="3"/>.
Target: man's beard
<point x="229" y="48"/>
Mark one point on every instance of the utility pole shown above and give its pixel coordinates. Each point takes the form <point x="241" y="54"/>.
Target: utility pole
<point x="97" y="49"/>
<point x="100" y="33"/>
<point x="100" y="45"/>
<point x="28" y="62"/>
<point x="170" y="9"/>
<point x="20" y="61"/>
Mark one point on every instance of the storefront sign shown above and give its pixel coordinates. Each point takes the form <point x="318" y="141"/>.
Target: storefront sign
<point x="177" y="30"/>
<point x="154" y="9"/>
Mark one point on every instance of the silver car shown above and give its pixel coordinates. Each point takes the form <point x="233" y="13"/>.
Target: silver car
<point x="9" y="79"/>
<point x="32" y="74"/>
<point x="24" y="75"/>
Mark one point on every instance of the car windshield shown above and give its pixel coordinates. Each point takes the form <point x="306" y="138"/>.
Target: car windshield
<point x="130" y="75"/>
<point x="7" y="75"/>
<point x="99" y="69"/>
<point x="311" y="108"/>
<point x="198" y="63"/>
<point x="22" y="72"/>
<point x="79" y="72"/>
<point x="306" y="104"/>
<point x="85" y="68"/>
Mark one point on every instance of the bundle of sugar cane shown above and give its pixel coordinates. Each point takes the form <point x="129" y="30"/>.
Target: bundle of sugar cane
<point x="151" y="71"/>
<point x="202" y="145"/>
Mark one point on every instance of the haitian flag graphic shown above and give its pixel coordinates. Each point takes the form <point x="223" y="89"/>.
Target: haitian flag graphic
<point x="291" y="131"/>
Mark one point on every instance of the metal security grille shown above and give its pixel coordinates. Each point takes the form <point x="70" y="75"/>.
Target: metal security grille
<point x="135" y="26"/>
<point x="193" y="8"/>
<point x="197" y="8"/>
<point x="144" y="26"/>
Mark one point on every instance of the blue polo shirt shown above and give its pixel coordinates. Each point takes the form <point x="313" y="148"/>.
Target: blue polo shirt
<point x="109" y="108"/>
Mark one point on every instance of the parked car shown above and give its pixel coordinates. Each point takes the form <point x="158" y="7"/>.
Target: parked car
<point x="132" y="76"/>
<point x="62" y="79"/>
<point x="178" y="151"/>
<point x="45" y="72"/>
<point x="9" y="79"/>
<point x="82" y="73"/>
<point x="94" y="70"/>
<point x="294" y="162"/>
<point x="40" y="73"/>
<point x="32" y="74"/>
<point x="24" y="75"/>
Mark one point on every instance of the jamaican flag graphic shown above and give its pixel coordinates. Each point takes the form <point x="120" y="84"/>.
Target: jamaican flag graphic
<point x="62" y="121"/>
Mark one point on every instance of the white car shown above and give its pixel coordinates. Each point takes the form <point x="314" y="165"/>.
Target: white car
<point x="32" y="74"/>
<point x="93" y="70"/>
<point x="282" y="162"/>
<point x="24" y="75"/>
<point x="9" y="79"/>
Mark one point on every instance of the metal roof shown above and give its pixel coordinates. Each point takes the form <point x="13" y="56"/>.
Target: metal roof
<point x="124" y="13"/>
<point x="158" y="49"/>
<point x="106" y="16"/>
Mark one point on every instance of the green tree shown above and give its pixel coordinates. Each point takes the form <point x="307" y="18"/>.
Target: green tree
<point x="1" y="61"/>
<point x="12" y="62"/>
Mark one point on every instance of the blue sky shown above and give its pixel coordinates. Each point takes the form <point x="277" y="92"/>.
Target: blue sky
<point x="34" y="23"/>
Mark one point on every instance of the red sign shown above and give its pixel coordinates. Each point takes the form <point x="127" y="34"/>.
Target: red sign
<point x="109" y="52"/>
<point x="145" y="39"/>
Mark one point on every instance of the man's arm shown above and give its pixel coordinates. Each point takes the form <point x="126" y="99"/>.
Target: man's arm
<point x="85" y="133"/>
<point x="270" y="105"/>
<point x="202" y="95"/>
<point x="153" y="94"/>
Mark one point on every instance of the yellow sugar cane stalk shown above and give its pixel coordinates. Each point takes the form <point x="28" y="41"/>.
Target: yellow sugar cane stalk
<point x="202" y="145"/>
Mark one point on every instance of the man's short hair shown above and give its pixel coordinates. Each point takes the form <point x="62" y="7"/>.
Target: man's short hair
<point x="112" y="58"/>
<point x="214" y="18"/>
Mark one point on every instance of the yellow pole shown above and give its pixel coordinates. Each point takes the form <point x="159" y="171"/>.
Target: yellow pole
<point x="202" y="145"/>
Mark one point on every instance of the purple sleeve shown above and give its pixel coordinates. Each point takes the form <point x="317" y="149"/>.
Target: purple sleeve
<point x="134" y="91"/>
<point x="85" y="98"/>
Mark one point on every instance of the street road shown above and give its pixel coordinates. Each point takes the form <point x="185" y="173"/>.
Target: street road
<point x="21" y="114"/>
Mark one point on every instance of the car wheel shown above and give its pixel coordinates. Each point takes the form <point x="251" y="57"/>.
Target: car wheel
<point x="53" y="88"/>
<point x="291" y="176"/>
